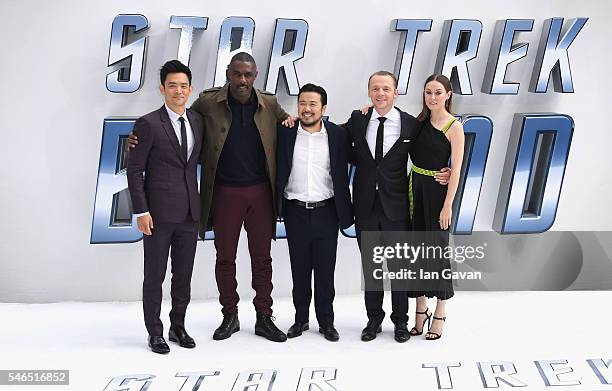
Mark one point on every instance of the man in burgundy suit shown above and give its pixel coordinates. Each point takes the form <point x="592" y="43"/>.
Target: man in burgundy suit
<point x="162" y="180"/>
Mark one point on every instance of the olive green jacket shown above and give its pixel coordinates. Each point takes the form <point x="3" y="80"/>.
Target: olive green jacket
<point x="213" y="106"/>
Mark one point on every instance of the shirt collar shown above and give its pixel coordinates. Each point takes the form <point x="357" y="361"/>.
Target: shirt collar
<point x="173" y="116"/>
<point x="322" y="131"/>
<point x="393" y="115"/>
<point x="252" y="99"/>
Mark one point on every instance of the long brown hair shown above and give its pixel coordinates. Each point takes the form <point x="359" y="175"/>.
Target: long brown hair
<point x="425" y="112"/>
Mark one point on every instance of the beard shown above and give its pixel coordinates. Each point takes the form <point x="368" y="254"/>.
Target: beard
<point x="309" y="121"/>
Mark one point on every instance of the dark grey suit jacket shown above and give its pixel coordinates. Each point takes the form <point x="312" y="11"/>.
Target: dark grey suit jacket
<point x="169" y="187"/>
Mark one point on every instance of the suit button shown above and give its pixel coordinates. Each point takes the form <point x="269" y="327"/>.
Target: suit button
<point x="216" y="147"/>
<point x="222" y="130"/>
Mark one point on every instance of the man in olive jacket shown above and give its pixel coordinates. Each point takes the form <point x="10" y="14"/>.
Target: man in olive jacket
<point x="238" y="187"/>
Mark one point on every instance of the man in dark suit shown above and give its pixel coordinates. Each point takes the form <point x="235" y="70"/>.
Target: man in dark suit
<point x="314" y="199"/>
<point x="381" y="143"/>
<point x="162" y="180"/>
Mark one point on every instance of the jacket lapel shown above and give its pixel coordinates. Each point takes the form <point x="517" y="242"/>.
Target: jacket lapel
<point x="165" y="119"/>
<point x="332" y="140"/>
<point x="364" y="124"/>
<point x="262" y="121"/>
<point x="291" y="145"/>
<point x="364" y="129"/>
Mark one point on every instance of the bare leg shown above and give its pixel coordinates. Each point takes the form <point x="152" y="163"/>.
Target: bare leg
<point x="422" y="314"/>
<point x="437" y="325"/>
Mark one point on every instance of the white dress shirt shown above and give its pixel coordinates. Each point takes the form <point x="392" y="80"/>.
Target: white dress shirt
<point x="310" y="178"/>
<point x="176" y="124"/>
<point x="393" y="127"/>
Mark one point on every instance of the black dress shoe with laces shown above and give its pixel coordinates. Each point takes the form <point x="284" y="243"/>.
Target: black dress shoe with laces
<point x="296" y="329"/>
<point x="265" y="327"/>
<point x="370" y="331"/>
<point x="228" y="326"/>
<point x="158" y="344"/>
<point x="179" y="335"/>
<point x="401" y="332"/>
<point x="330" y="333"/>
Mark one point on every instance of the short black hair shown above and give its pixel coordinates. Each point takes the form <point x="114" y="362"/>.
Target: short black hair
<point x="314" y="88"/>
<point x="174" y="66"/>
<point x="242" y="56"/>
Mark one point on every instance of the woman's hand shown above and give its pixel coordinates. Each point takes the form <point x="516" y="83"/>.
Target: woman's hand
<point x="445" y="217"/>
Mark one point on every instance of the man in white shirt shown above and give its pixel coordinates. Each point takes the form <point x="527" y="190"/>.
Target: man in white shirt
<point x="314" y="199"/>
<point x="381" y="140"/>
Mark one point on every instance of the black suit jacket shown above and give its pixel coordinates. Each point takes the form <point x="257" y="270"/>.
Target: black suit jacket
<point x="391" y="174"/>
<point x="169" y="188"/>
<point x="338" y="158"/>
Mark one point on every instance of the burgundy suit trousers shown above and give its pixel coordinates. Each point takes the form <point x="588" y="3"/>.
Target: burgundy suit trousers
<point x="231" y="208"/>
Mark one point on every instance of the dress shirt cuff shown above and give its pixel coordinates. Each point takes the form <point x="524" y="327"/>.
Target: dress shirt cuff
<point x="141" y="214"/>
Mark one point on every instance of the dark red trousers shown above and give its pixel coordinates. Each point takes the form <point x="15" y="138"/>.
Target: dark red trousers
<point x="231" y="208"/>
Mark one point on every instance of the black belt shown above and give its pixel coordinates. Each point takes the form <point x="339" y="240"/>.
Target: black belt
<point x="312" y="205"/>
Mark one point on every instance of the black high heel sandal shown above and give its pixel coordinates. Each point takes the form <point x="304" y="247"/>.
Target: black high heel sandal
<point x="431" y="336"/>
<point x="414" y="331"/>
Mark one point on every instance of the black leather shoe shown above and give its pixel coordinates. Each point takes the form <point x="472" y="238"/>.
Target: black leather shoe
<point x="265" y="327"/>
<point x="158" y="344"/>
<point x="370" y="331"/>
<point x="330" y="333"/>
<point x="179" y="335"/>
<point x="401" y="332"/>
<point x="228" y="326"/>
<point x="297" y="329"/>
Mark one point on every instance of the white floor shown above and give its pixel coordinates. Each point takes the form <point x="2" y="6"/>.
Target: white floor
<point x="100" y="341"/>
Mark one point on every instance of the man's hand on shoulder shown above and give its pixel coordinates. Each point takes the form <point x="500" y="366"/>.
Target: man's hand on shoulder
<point x="290" y="122"/>
<point x="364" y="110"/>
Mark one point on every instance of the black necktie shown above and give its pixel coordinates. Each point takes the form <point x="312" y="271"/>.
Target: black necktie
<point x="183" y="137"/>
<point x="380" y="134"/>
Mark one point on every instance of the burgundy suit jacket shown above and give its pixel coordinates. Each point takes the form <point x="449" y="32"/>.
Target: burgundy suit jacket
<point x="160" y="181"/>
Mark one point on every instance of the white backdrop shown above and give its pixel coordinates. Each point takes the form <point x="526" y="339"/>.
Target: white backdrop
<point x="54" y="102"/>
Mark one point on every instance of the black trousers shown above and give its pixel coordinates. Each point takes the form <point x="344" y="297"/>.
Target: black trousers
<point x="312" y="236"/>
<point x="378" y="221"/>
<point x="181" y="238"/>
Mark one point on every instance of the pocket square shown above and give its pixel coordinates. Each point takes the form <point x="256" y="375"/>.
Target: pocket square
<point x="406" y="141"/>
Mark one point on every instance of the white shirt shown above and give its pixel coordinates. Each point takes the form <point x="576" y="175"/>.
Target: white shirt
<point x="176" y="124"/>
<point x="393" y="127"/>
<point x="310" y="178"/>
